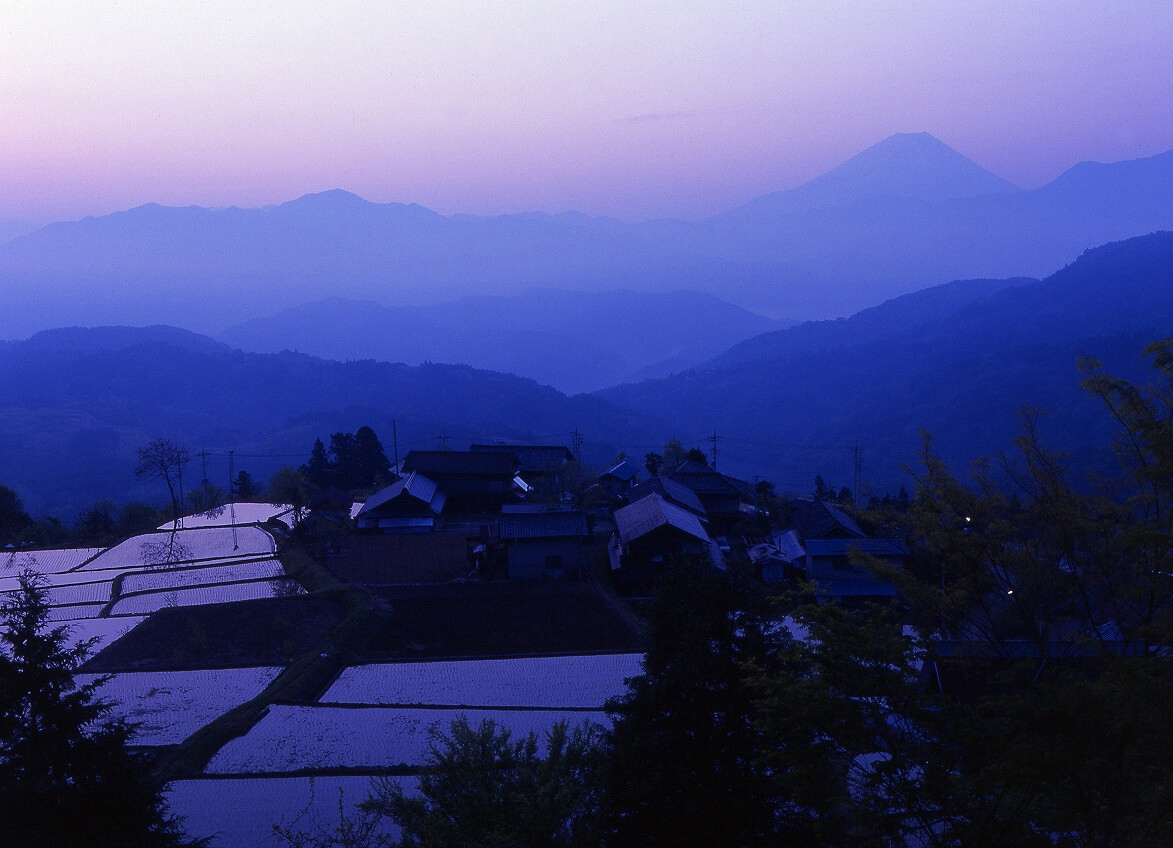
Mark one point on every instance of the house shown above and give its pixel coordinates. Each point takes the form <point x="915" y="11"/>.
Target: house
<point x="410" y="505"/>
<point x="653" y="529"/>
<point x="471" y="480"/>
<point x="540" y="464"/>
<point x="670" y="491"/>
<point x="609" y="491"/>
<point x="543" y="541"/>
<point x="621" y="477"/>
<point x="820" y="546"/>
<point x="719" y="495"/>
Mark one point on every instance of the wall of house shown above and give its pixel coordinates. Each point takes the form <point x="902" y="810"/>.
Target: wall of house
<point x="531" y="559"/>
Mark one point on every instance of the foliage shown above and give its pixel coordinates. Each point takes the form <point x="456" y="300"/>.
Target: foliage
<point x="13" y="518"/>
<point x="66" y="775"/>
<point x="483" y="789"/>
<point x="353" y="461"/>
<point x="289" y="486"/>
<point x="244" y="488"/>
<point x="682" y="769"/>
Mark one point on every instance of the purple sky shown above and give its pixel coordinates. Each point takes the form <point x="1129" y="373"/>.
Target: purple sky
<point x="634" y="109"/>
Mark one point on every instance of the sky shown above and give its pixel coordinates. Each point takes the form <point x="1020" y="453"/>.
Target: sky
<point x="633" y="109"/>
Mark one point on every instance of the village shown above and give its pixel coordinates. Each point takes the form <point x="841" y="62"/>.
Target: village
<point x="272" y="656"/>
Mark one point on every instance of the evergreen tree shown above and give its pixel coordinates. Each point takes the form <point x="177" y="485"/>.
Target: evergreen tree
<point x="66" y="775"/>
<point x="372" y="468"/>
<point x="318" y="471"/>
<point x="698" y="456"/>
<point x="244" y="488"/>
<point x="13" y="518"/>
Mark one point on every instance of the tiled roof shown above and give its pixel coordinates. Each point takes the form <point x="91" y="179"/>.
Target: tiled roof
<point x="543" y="459"/>
<point x="543" y="525"/>
<point x="491" y="464"/>
<point x="646" y="514"/>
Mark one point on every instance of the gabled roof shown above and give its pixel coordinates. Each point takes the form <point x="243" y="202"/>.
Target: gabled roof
<point x="543" y="525"/>
<point x="626" y="470"/>
<point x="490" y="464"/>
<point x="647" y="514"/>
<point x="703" y="480"/>
<point x="542" y="459"/>
<point x="820" y="520"/>
<point x="671" y="491"/>
<point x="415" y="486"/>
<point x="789" y="546"/>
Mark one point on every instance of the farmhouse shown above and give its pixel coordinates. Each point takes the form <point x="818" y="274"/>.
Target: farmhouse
<point x="543" y="541"/>
<point x="540" y="464"/>
<point x="821" y="543"/>
<point x="670" y="491"/>
<point x="410" y="505"/>
<point x="471" y="480"/>
<point x="719" y="495"/>
<point x="653" y="529"/>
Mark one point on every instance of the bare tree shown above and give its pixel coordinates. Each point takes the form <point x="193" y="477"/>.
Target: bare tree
<point x="164" y="459"/>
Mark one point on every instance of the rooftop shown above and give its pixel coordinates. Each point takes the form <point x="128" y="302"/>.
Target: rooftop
<point x="651" y="512"/>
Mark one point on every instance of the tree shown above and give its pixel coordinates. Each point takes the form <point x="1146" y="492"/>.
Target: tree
<point x="244" y="488"/>
<point x="163" y="459"/>
<point x="698" y="456"/>
<point x="318" y="470"/>
<point x="372" y="468"/>
<point x="682" y="769"/>
<point x="66" y="775"/>
<point x="482" y="789"/>
<point x="1056" y="602"/>
<point x="653" y="462"/>
<point x="289" y="486"/>
<point x="13" y="518"/>
<point x="674" y="454"/>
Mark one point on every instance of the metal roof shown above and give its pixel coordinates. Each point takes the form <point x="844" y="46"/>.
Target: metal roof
<point x="415" y="486"/>
<point x="646" y="514"/>
<point x="543" y="525"/>
<point x="672" y="491"/>
<point x="625" y="470"/>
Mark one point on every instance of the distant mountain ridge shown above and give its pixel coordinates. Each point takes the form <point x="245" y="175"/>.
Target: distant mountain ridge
<point x="960" y="362"/>
<point x="906" y="213"/>
<point x="574" y="341"/>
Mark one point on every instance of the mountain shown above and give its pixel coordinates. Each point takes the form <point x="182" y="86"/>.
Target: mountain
<point x="574" y="341"/>
<point x="904" y="214"/>
<point x="74" y="406"/>
<point x="909" y="165"/>
<point x="959" y="360"/>
<point x="14" y="229"/>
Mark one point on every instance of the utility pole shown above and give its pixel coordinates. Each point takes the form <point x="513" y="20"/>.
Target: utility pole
<point x="857" y="463"/>
<point x="714" y="438"/>
<point x="443" y="440"/>
<point x="204" y="463"/>
<point x="231" y="499"/>
<point x="179" y="518"/>
<point x="576" y="444"/>
<point x="395" y="442"/>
